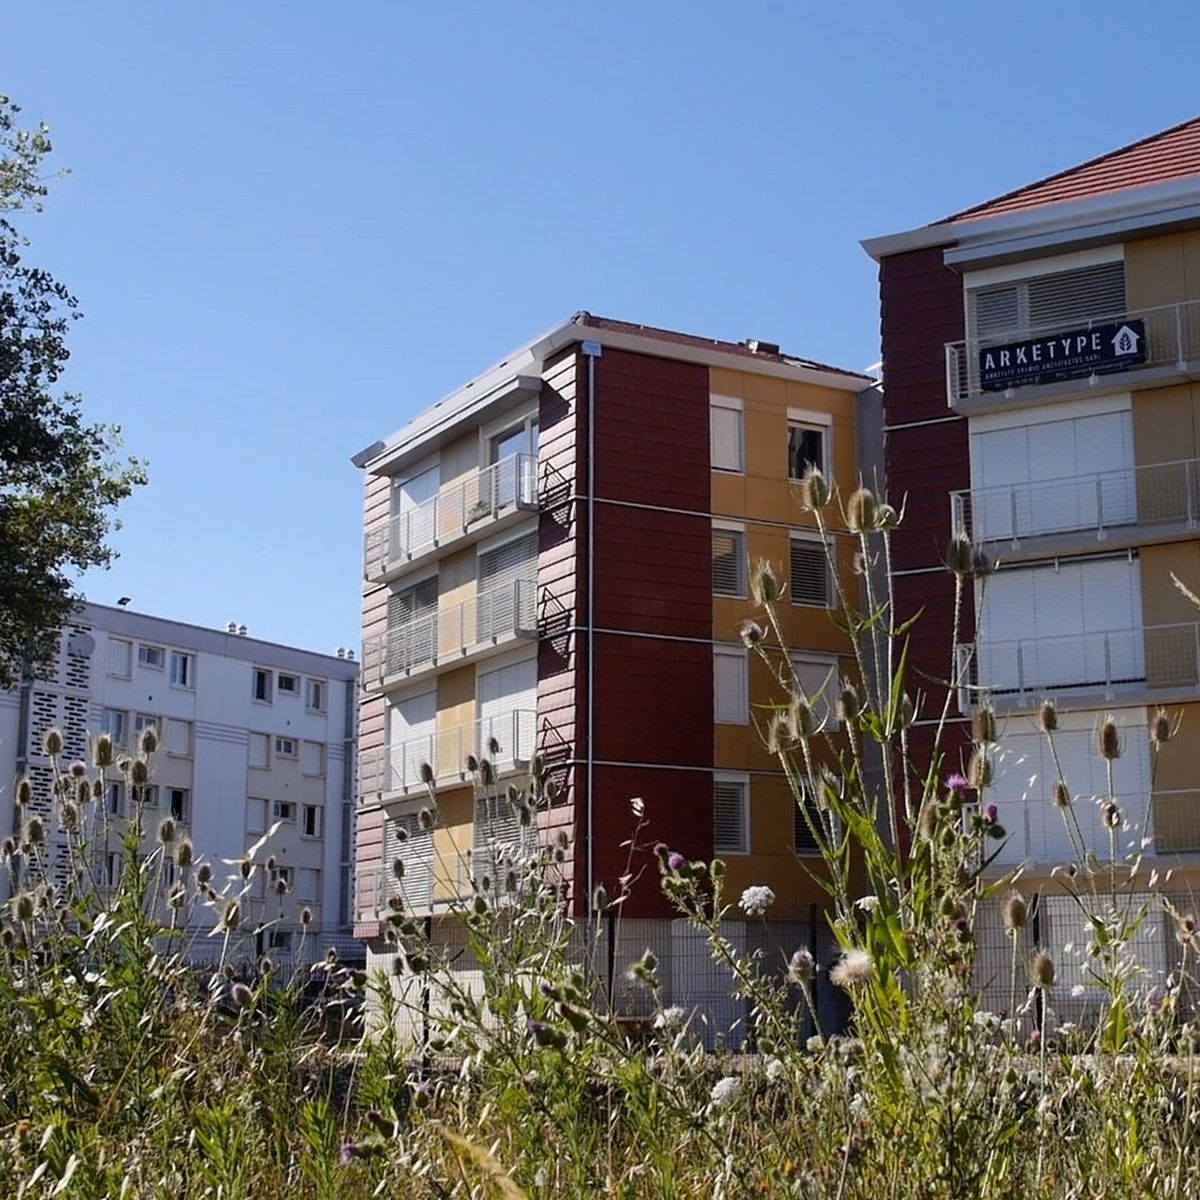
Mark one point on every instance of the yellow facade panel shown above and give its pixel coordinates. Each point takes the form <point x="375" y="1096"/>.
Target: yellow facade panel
<point x="1162" y="602"/>
<point x="1164" y="427"/>
<point x="1154" y="272"/>
<point x="451" y="842"/>
<point x="456" y="697"/>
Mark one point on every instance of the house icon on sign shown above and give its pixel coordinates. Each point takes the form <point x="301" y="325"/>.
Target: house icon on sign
<point x="1125" y="341"/>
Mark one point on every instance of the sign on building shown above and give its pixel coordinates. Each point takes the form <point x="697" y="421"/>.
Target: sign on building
<point x="1099" y="350"/>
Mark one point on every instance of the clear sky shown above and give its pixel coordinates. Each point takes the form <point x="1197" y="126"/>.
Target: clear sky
<point x="293" y="225"/>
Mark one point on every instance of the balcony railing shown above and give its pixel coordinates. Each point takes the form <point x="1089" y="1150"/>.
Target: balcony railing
<point x="1158" y="494"/>
<point x="397" y="768"/>
<point x="1176" y="821"/>
<point x="464" y="506"/>
<point x="1172" y="341"/>
<point x="1113" y="661"/>
<point x="488" y="618"/>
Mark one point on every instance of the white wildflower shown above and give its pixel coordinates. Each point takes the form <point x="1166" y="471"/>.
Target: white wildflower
<point x="852" y="970"/>
<point x="1078" y="990"/>
<point x="867" y="903"/>
<point x="670" y="1018"/>
<point x="756" y="900"/>
<point x="725" y="1091"/>
<point x="775" y="1070"/>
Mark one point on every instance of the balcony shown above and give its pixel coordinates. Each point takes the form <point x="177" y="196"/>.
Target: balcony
<point x="455" y="634"/>
<point x="396" y="770"/>
<point x="464" y="509"/>
<point x="1136" y="504"/>
<point x="1157" y="664"/>
<point x="1171" y="352"/>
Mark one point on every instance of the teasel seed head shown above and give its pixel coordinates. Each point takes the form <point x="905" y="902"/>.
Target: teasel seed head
<point x="79" y="769"/>
<point x="426" y="773"/>
<point x="70" y="817"/>
<point x="232" y="916"/>
<point x="1110" y="814"/>
<point x="245" y="868"/>
<point x="24" y="792"/>
<point x="425" y="819"/>
<point x="959" y="559"/>
<point x="908" y="711"/>
<point x="35" y="831"/>
<point x="1061" y="795"/>
<point x="1041" y="970"/>
<point x="139" y="772"/>
<point x="272" y="863"/>
<point x="281" y="886"/>
<point x="983" y="725"/>
<point x="778" y="733"/>
<point x="861" y="511"/>
<point x="1016" y="912"/>
<point x="103" y="752"/>
<point x="166" y="831"/>
<point x="849" y="706"/>
<point x="764" y="585"/>
<point x="472" y="764"/>
<point x="487" y="773"/>
<point x="97" y="789"/>
<point x="184" y="853"/>
<point x="306" y="916"/>
<point x="600" y="898"/>
<point x="1048" y="717"/>
<point x="23" y="907"/>
<point x="752" y="633"/>
<point x="493" y="748"/>
<point x="52" y="742"/>
<point x="799" y="718"/>
<point x="1160" y="727"/>
<point x="203" y="874"/>
<point x="241" y="996"/>
<point x="398" y="868"/>
<point x="1109" y="740"/>
<point x="148" y="742"/>
<point x="886" y="517"/>
<point x="814" y="490"/>
<point x="177" y="897"/>
<point x="83" y="792"/>
<point x="979" y="770"/>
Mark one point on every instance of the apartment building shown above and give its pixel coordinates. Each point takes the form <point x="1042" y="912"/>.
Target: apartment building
<point x="250" y="733"/>
<point x="1040" y="357"/>
<point x="557" y="557"/>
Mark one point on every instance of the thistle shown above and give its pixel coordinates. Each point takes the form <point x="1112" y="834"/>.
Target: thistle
<point x="959" y="559"/>
<point x="1041" y="970"/>
<point x="1047" y="717"/>
<point x="1016" y="912"/>
<point x="1160" y="727"/>
<point x="184" y="853"/>
<point x="148" y="742"/>
<point x="1108" y="741"/>
<point x="814" y="490"/>
<point x="103" y="752"/>
<point x="764" y="586"/>
<point x="853" y="970"/>
<point x="52" y="742"/>
<point x="166" y="831"/>
<point x="861" y="511"/>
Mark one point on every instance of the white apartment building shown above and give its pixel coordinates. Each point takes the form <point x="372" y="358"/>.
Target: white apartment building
<point x="250" y="733"/>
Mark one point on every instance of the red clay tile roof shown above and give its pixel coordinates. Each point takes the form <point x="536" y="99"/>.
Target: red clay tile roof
<point x="1160" y="158"/>
<point x="690" y="339"/>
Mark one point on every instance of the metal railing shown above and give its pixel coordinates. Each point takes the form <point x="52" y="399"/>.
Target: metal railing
<point x="459" y="508"/>
<point x="1172" y="340"/>
<point x="497" y="615"/>
<point x="397" y="768"/>
<point x="1156" y="494"/>
<point x="1156" y="656"/>
<point x="1176" y="821"/>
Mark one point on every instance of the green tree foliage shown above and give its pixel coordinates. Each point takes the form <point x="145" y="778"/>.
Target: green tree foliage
<point x="60" y="480"/>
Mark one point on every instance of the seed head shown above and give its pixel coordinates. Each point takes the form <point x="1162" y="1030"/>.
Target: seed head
<point x="852" y="970"/>
<point x="799" y="718"/>
<point x="139" y="772"/>
<point x="97" y="789"/>
<point x="1160" y="727"/>
<point x="600" y="899"/>
<point x="83" y="792"/>
<point x="1062" y="795"/>
<point x="281" y="886"/>
<point x="241" y="996"/>
<point x="70" y="817"/>
<point x="764" y="587"/>
<point x="103" y="751"/>
<point x="487" y="773"/>
<point x="232" y="916"/>
<point x="166" y="831"/>
<point x="983" y="725"/>
<point x="1048" y="717"/>
<point x="24" y="792"/>
<point x="1041" y="970"/>
<point x="52" y="742"/>
<point x="1110" y="814"/>
<point x="35" y="831"/>
<point x="814" y="490"/>
<point x="245" y="868"/>
<point x="398" y="868"/>
<point x="861" y="511"/>
<point x="493" y="747"/>
<point x="472" y="764"/>
<point x="148" y="742"/>
<point x="1109" y="740"/>
<point x="801" y="966"/>
<point x="959" y="559"/>
<point x="425" y="819"/>
<point x="79" y="768"/>
<point x="8" y="936"/>
<point x="272" y="863"/>
<point x="203" y="874"/>
<point x="184" y="853"/>
<point x="1016" y="912"/>
<point x="177" y="896"/>
<point x="306" y="916"/>
<point x="752" y="633"/>
<point x="426" y="773"/>
<point x="23" y="907"/>
<point x="849" y="705"/>
<point x="886" y="517"/>
<point x="979" y="770"/>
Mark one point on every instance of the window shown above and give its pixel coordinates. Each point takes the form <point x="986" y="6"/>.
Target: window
<point x="179" y="804"/>
<point x="143" y="721"/>
<point x="728" y="561"/>
<point x="260" y="687"/>
<point x="256" y="816"/>
<point x="285" y="810"/>
<point x="810" y="571"/>
<point x="314" y="695"/>
<point x="179" y="737"/>
<point x="725" y="433"/>
<point x="512" y="457"/>
<point x="312" y="758"/>
<point x="310" y="820"/>
<point x="116" y="799"/>
<point x="1001" y="311"/>
<point x="412" y="632"/>
<point x="112" y="868"/>
<point x="808" y="820"/>
<point x="308" y="885"/>
<point x="731" y="704"/>
<point x="183" y="669"/>
<point x="114" y="723"/>
<point x="285" y="747"/>
<point x="150" y="795"/>
<point x="731" y="816"/>
<point x="152" y="656"/>
<point x="288" y="683"/>
<point x="258" y="745"/>
<point x="821" y="683"/>
<point x="506" y="588"/>
<point x="287" y="874"/>
<point x="280" y="939"/>
<point x="120" y="657"/>
<point x="806" y="448"/>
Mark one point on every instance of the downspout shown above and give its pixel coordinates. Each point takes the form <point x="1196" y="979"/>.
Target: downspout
<point x="593" y="351"/>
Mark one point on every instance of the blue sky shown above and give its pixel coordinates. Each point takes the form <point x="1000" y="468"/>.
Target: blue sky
<point x="293" y="225"/>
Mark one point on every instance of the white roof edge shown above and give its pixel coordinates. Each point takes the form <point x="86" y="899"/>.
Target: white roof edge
<point x="1045" y="218"/>
<point x="458" y="406"/>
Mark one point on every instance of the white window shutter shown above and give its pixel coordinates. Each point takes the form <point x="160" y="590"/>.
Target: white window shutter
<point x="725" y="431"/>
<point x="731" y="705"/>
<point x="179" y="737"/>
<point x="731" y="834"/>
<point x="809" y="572"/>
<point x="728" y="562"/>
<point x="821" y="683"/>
<point x="257" y="749"/>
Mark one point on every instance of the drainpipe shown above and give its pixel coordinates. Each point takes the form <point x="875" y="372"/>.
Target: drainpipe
<point x="593" y="351"/>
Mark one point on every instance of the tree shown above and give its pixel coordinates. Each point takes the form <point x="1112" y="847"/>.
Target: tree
<point x="60" y="479"/>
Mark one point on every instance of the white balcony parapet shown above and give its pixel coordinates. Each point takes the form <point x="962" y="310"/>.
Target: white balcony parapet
<point x="463" y="507"/>
<point x="1172" y="333"/>
<point x="489" y="618"/>
<point x="1112" y="662"/>
<point x="1156" y="494"/>
<point x="398" y="768"/>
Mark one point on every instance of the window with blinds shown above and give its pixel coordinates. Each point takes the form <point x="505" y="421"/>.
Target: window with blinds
<point x="725" y="433"/>
<point x="728" y="562"/>
<point x="1062" y="299"/>
<point x="809" y="572"/>
<point x="498" y="841"/>
<point x="506" y="588"/>
<point x="821" y="683"/>
<point x="808" y="820"/>
<point x="120" y="657"/>
<point x="412" y="626"/>
<point x="405" y="839"/>
<point x="731" y="702"/>
<point x="731" y="817"/>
